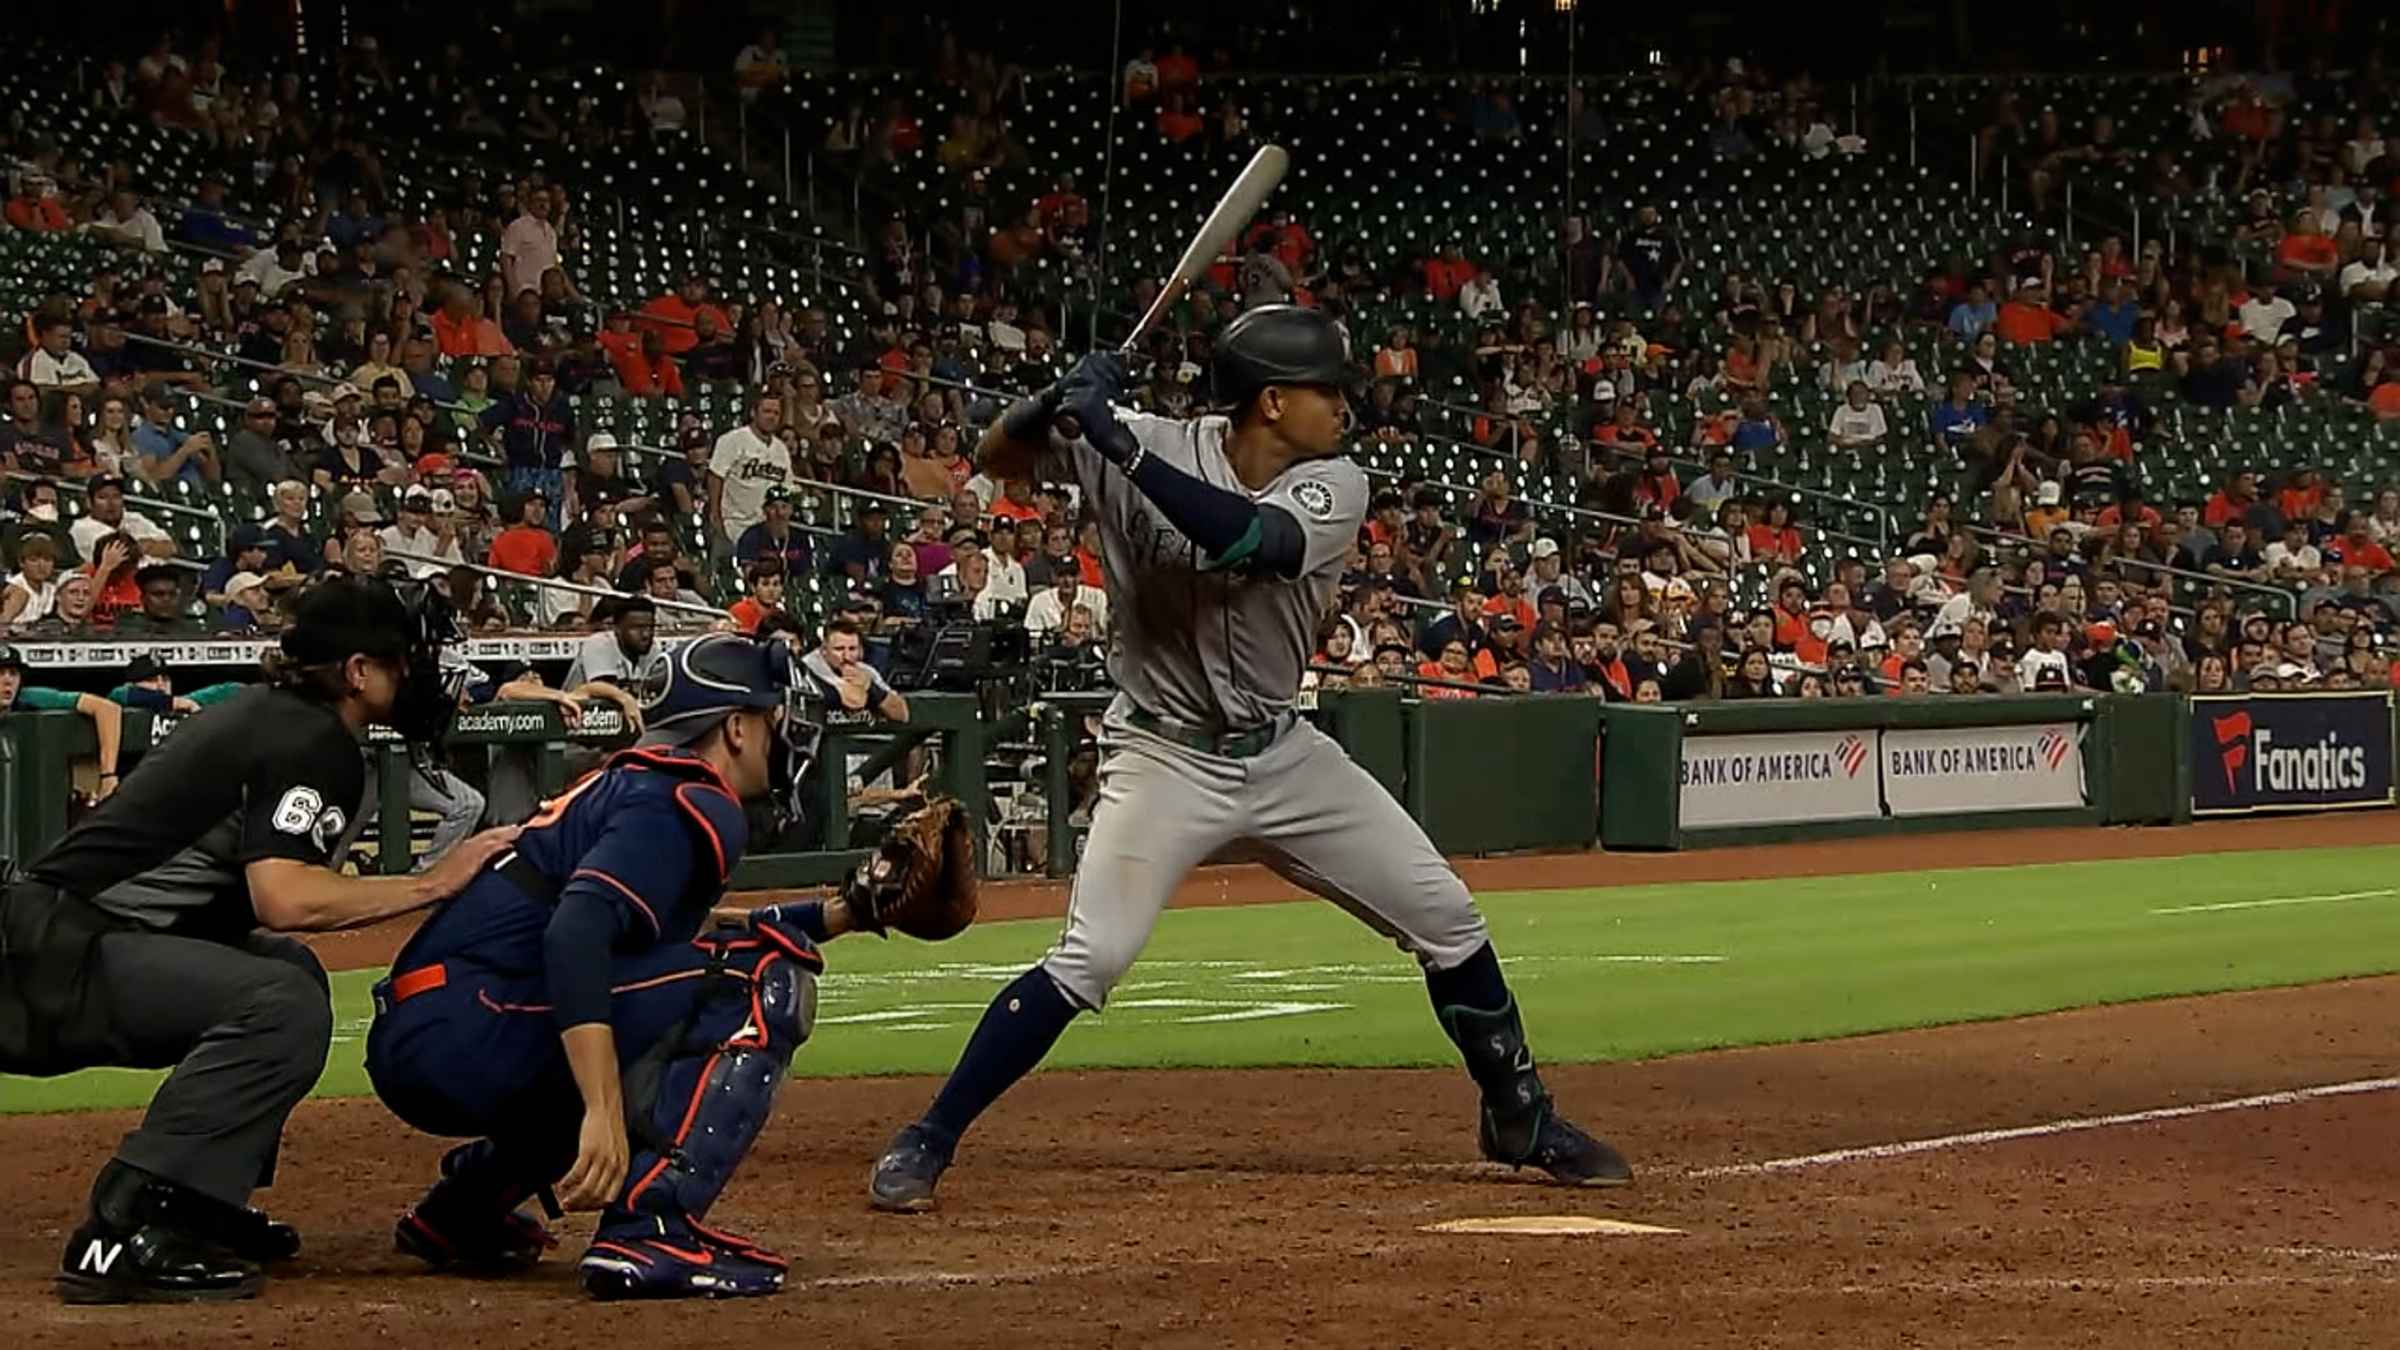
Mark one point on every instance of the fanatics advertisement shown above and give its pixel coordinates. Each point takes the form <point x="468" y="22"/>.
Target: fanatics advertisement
<point x="2312" y="752"/>
<point x="1779" y="778"/>
<point x="1951" y="769"/>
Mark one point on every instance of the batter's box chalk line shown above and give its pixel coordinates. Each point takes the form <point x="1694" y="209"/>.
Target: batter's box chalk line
<point x="1548" y="1225"/>
<point x="1879" y="1152"/>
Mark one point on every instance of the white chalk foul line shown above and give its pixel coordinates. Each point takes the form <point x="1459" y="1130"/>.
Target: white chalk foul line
<point x="1878" y="1152"/>
<point x="2279" y="900"/>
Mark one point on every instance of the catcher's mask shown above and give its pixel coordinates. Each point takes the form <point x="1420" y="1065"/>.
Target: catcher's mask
<point x="392" y="618"/>
<point x="698" y="684"/>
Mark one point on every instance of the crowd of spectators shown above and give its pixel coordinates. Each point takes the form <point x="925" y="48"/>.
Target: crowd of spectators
<point x="406" y="406"/>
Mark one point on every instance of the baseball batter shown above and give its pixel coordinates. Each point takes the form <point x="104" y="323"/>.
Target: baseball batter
<point x="1223" y="540"/>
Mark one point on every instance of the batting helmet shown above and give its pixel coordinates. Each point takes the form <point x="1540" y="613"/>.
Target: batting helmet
<point x="1279" y="344"/>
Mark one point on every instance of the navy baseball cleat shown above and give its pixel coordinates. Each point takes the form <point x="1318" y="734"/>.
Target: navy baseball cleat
<point x="634" y="1256"/>
<point x="1558" y="1147"/>
<point x="467" y="1225"/>
<point x="906" y="1174"/>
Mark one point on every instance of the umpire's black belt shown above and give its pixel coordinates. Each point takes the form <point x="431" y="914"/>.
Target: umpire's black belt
<point x="1243" y="744"/>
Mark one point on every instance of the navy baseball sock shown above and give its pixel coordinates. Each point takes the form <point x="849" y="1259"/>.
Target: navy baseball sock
<point x="1016" y="1032"/>
<point x="1473" y="983"/>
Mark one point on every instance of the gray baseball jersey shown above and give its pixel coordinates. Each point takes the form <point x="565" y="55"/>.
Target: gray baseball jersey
<point x="1211" y="648"/>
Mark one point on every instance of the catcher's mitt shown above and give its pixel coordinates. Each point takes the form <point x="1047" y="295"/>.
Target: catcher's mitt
<point x="922" y="878"/>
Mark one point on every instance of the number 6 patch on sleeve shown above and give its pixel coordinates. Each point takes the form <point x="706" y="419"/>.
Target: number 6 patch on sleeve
<point x="298" y="811"/>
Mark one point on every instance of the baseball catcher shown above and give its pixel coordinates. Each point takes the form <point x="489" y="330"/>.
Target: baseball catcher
<point x="603" y="1036"/>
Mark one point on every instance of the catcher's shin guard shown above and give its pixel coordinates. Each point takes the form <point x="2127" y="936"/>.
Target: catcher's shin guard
<point x="715" y="1086"/>
<point x="1519" y="1124"/>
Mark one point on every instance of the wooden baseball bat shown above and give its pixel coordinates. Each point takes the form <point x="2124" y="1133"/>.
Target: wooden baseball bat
<point x="1233" y="211"/>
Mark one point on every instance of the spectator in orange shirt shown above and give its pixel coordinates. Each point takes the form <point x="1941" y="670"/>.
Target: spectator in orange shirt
<point x="2299" y="498"/>
<point x="2028" y="318"/>
<point x="460" y="327"/>
<point x="642" y="364"/>
<point x="1016" y="502"/>
<point x="2307" y="249"/>
<point x="1286" y="238"/>
<point x="527" y="548"/>
<point x="2384" y="399"/>
<point x="1447" y="272"/>
<point x="2233" y="502"/>
<point x="764" y="598"/>
<point x="1396" y="359"/>
<point x="36" y="206"/>
<point x="1177" y="70"/>
<point x="1176" y="120"/>
<point x="675" y="316"/>
<point x="1453" y="665"/>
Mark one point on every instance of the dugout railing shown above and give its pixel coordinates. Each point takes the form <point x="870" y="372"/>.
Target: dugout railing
<point x="1492" y="774"/>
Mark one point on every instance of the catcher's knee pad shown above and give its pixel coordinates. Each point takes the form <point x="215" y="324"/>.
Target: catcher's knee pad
<point x="716" y="1085"/>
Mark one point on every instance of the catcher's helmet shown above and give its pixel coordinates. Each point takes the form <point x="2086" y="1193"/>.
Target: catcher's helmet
<point x="1279" y="344"/>
<point x="702" y="682"/>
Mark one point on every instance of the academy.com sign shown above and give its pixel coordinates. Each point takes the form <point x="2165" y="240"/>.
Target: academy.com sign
<point x="2261" y="752"/>
<point x="1800" y="777"/>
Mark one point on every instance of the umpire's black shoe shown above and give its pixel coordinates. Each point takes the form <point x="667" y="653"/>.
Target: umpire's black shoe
<point x="1555" y="1145"/>
<point x="246" y="1232"/>
<point x="131" y="1249"/>
<point x="906" y="1174"/>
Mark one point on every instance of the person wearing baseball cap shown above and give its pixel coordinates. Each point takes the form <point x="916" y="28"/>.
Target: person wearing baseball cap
<point x="146" y="685"/>
<point x="18" y="696"/>
<point x="255" y="459"/>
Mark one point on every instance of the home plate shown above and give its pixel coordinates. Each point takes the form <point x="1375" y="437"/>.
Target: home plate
<point x="1547" y="1225"/>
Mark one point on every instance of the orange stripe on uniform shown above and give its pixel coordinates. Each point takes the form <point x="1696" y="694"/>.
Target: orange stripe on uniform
<point x="422" y="980"/>
<point x="626" y="891"/>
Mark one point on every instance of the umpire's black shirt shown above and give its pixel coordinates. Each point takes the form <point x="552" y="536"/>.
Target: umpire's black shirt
<point x="268" y="773"/>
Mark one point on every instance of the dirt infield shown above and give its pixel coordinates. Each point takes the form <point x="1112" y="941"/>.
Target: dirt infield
<point x="1246" y="1208"/>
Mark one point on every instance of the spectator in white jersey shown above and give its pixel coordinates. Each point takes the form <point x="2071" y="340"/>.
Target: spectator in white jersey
<point x="747" y="461"/>
<point x="1046" y="612"/>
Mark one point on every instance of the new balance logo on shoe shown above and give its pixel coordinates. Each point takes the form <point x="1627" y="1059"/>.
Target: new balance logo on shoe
<point x="99" y="1256"/>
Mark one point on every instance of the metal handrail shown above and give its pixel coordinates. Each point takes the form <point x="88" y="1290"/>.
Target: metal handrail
<point x="1881" y="511"/>
<point x="2288" y="595"/>
<point x="552" y="583"/>
<point x="74" y="485"/>
<point x="1422" y="681"/>
<point x="838" y="489"/>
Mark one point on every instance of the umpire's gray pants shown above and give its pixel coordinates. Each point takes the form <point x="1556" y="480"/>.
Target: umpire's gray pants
<point x="1303" y="807"/>
<point x="245" y="1029"/>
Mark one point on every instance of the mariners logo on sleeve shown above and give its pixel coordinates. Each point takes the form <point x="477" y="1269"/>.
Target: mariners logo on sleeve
<point x="1314" y="497"/>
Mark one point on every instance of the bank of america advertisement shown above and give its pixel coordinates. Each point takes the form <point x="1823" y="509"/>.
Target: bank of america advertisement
<point x="2267" y="752"/>
<point x="1778" y="779"/>
<point x="1953" y="769"/>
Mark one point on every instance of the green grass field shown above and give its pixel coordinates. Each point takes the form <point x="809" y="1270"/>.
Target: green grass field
<point x="1612" y="973"/>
